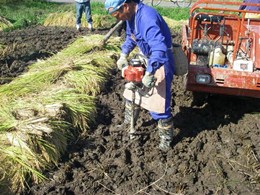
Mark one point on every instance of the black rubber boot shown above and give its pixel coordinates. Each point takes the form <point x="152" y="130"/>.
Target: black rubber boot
<point x="166" y="133"/>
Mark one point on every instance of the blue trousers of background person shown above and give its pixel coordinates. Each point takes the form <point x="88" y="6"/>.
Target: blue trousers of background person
<point x="80" y="8"/>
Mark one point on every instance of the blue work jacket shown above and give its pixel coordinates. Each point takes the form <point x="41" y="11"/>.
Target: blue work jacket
<point x="148" y="30"/>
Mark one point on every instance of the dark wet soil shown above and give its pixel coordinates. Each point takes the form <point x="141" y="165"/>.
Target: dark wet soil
<point x="20" y="48"/>
<point x="216" y="150"/>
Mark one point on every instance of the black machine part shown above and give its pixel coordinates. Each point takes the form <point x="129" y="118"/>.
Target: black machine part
<point x="209" y="18"/>
<point x="204" y="46"/>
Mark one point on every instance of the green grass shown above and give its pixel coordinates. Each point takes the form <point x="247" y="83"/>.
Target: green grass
<point x="26" y="13"/>
<point x="98" y="8"/>
<point x="175" y="13"/>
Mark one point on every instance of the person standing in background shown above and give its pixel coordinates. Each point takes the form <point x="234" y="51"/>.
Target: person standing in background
<point x="83" y="6"/>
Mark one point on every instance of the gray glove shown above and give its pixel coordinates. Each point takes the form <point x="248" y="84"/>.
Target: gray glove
<point x="148" y="80"/>
<point x="122" y="61"/>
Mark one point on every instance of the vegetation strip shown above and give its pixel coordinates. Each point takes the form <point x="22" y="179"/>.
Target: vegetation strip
<point x="49" y="106"/>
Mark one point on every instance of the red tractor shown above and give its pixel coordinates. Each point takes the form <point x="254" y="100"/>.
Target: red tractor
<point x="222" y="44"/>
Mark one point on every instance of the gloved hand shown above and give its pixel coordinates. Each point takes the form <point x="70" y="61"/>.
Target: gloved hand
<point x="122" y="61"/>
<point x="148" y="80"/>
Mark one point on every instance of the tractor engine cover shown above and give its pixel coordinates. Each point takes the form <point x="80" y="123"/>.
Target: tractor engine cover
<point x="134" y="74"/>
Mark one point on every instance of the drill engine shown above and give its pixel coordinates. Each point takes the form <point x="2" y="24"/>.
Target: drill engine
<point x="134" y="72"/>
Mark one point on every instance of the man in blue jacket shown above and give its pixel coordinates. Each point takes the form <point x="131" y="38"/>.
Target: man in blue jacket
<point x="146" y="29"/>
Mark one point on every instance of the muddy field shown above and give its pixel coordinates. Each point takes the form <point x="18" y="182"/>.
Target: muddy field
<point x="216" y="150"/>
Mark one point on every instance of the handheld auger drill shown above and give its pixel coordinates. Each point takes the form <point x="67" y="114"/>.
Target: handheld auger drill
<point x="133" y="74"/>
